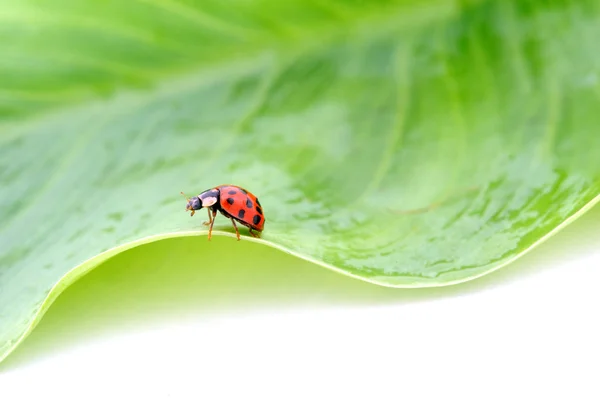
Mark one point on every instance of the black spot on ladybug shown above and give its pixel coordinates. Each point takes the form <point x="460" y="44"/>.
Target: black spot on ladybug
<point x="248" y="203"/>
<point x="241" y="214"/>
<point x="258" y="202"/>
<point x="230" y="201"/>
<point x="231" y="192"/>
<point x="259" y="210"/>
<point x="256" y="219"/>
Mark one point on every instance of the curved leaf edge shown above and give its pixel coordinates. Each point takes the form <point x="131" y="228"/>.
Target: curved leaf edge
<point x="85" y="267"/>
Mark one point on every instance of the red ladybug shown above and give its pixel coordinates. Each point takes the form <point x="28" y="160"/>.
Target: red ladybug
<point x="233" y="202"/>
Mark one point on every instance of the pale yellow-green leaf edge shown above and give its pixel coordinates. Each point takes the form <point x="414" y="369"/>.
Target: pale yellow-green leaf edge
<point x="82" y="269"/>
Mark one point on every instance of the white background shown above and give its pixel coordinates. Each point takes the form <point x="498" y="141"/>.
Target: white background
<point x="528" y="330"/>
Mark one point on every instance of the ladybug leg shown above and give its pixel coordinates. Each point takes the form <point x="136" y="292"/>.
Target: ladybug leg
<point x="237" y="232"/>
<point x="253" y="234"/>
<point x="212" y="221"/>
<point x="209" y="218"/>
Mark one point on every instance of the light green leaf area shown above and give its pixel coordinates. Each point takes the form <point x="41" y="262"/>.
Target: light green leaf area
<point x="404" y="143"/>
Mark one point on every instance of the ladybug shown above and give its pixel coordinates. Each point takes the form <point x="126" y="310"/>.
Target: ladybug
<point x="233" y="202"/>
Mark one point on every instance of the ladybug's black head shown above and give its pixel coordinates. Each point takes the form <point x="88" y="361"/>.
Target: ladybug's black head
<point x="193" y="204"/>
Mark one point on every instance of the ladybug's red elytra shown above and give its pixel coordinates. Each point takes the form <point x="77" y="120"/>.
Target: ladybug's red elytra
<point x="233" y="202"/>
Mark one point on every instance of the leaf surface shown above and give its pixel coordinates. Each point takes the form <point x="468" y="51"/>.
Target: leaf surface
<point x="406" y="144"/>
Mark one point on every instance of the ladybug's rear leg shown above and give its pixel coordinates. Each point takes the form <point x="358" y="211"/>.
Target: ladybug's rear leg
<point x="237" y="232"/>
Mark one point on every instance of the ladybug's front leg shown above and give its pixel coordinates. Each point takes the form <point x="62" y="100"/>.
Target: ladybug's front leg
<point x="209" y="218"/>
<point x="212" y="221"/>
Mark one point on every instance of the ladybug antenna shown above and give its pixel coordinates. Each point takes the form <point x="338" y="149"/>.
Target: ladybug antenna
<point x="187" y="207"/>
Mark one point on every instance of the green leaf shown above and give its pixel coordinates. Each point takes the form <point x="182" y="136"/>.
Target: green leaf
<point x="406" y="144"/>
